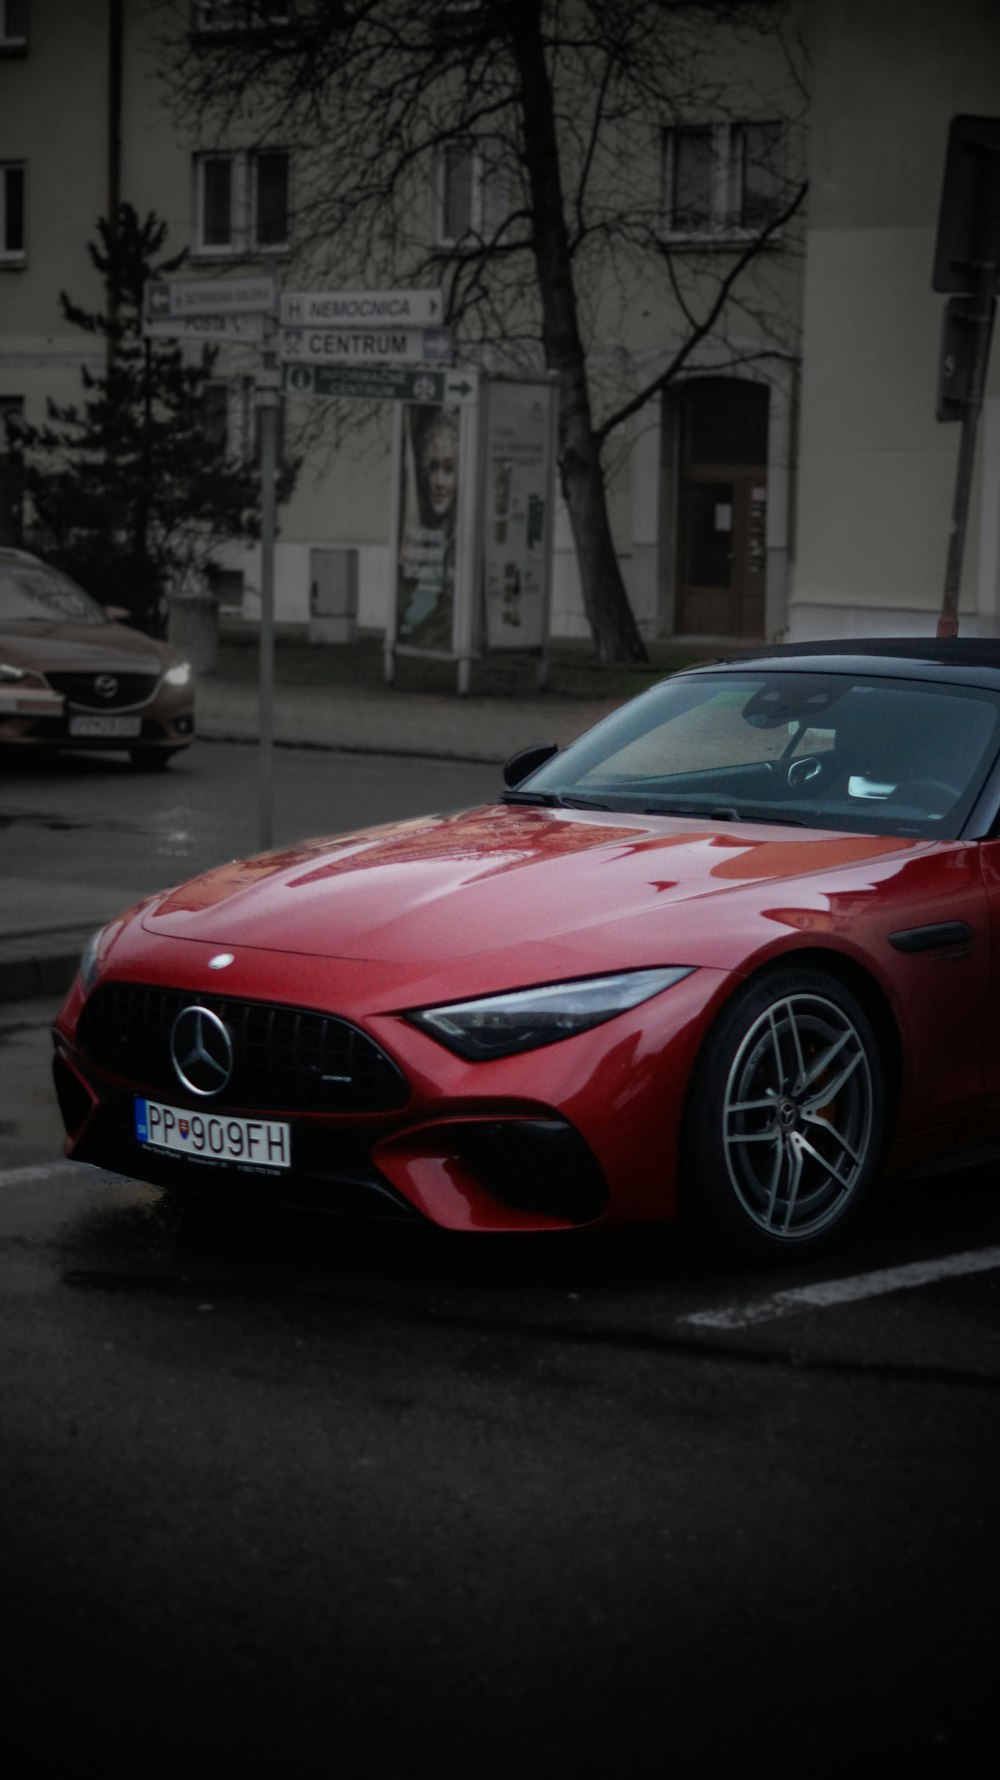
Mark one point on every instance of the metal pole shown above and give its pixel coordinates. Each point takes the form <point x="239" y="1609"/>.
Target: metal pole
<point x="268" y="397"/>
<point x="981" y="320"/>
<point x="467" y="618"/>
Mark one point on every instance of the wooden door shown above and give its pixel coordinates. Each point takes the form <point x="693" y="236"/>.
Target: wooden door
<point x="722" y="568"/>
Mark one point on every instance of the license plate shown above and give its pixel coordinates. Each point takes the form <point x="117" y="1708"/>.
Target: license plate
<point x="116" y="726"/>
<point x="213" y="1137"/>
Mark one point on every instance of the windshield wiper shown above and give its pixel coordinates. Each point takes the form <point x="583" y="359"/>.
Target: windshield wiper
<point x="721" y="813"/>
<point x="555" y="800"/>
<point x="717" y="812"/>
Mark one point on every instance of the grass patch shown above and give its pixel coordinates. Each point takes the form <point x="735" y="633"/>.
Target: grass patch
<point x="573" y="671"/>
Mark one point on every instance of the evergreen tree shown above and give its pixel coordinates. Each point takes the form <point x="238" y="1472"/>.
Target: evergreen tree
<point x="129" y="492"/>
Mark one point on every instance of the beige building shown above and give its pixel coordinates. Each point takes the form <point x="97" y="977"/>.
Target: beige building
<point x="875" y="471"/>
<point x="793" y="481"/>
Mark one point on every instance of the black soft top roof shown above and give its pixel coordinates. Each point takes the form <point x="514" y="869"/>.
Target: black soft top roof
<point x="971" y="661"/>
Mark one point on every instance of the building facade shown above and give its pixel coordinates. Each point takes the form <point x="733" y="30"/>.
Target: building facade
<point x="790" y="481"/>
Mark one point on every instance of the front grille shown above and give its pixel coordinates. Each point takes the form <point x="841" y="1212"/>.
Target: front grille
<point x="285" y="1059"/>
<point x="80" y="689"/>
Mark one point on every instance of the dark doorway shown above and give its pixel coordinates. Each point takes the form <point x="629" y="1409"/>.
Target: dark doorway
<point x="722" y="507"/>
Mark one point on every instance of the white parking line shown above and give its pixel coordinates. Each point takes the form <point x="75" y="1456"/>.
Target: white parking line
<point x="846" y="1291"/>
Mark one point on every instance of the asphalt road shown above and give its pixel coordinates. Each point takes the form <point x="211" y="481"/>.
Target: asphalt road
<point x="139" y="830"/>
<point x="281" y="1496"/>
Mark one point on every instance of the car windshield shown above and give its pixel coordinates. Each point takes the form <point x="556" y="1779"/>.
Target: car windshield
<point x="31" y="594"/>
<point x="873" y="755"/>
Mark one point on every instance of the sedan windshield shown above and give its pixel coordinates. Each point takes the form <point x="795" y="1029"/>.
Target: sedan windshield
<point x="30" y="594"/>
<point x="826" y="750"/>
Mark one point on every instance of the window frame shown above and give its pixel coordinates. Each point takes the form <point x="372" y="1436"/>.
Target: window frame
<point x="13" y="256"/>
<point x="244" y="219"/>
<point x="481" y="150"/>
<point x="13" y="42"/>
<point x="727" y="194"/>
<point x="12" y="418"/>
<point x="235" y="399"/>
<point x="216" y="413"/>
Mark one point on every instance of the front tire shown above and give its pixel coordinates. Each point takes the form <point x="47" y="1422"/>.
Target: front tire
<point x="785" y="1124"/>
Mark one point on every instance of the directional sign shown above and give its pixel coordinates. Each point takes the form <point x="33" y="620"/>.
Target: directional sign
<point x="381" y="383"/>
<point x="461" y="387"/>
<point x="361" y="308"/>
<point x="211" y="296"/>
<point x="203" y="327"/>
<point x="372" y="346"/>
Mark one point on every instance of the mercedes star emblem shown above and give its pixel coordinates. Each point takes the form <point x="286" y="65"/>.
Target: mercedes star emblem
<point x="201" y="1051"/>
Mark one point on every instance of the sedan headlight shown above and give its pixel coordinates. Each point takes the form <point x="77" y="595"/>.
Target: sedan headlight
<point x="179" y="674"/>
<point x="497" y="1025"/>
<point x="9" y="672"/>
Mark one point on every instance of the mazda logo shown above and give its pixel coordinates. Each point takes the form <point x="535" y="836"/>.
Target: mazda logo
<point x="106" y="685"/>
<point x="201" y="1051"/>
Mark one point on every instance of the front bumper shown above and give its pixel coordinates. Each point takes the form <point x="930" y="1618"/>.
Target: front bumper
<point x="527" y="1172"/>
<point x="580" y="1132"/>
<point x="44" y="721"/>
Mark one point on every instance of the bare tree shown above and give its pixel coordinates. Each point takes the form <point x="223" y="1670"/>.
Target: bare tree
<point x="558" y="110"/>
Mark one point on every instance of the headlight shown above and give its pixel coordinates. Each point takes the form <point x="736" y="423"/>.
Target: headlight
<point x="88" y="961"/>
<point x="9" y="672"/>
<point x="179" y="675"/>
<point x="93" y="953"/>
<point x="497" y="1025"/>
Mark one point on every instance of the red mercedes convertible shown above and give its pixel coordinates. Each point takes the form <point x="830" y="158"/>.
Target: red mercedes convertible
<point x="729" y="955"/>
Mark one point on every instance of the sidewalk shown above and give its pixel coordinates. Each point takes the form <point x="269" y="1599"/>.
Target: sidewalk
<point x="390" y="721"/>
<point x="43" y="926"/>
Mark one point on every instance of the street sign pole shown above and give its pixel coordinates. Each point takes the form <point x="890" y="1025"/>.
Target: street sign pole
<point x="268" y="397"/>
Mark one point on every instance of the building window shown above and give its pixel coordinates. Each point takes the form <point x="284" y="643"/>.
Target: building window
<point x="473" y="204"/>
<point x="13" y="24"/>
<point x="11" y="470"/>
<point x="722" y="180"/>
<point x="231" y="420"/>
<point x="12" y="212"/>
<point x="758" y="171"/>
<point x="215" y="414"/>
<point x="238" y="18"/>
<point x="241" y="202"/>
<point x="253" y="427"/>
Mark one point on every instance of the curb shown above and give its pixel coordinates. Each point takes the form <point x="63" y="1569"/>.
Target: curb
<point x="40" y="963"/>
<point x="399" y="749"/>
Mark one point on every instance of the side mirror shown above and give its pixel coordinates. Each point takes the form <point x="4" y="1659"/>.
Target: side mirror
<point x="117" y="614"/>
<point x="526" y="760"/>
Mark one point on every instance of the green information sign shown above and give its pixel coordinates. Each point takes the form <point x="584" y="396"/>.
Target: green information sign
<point x="375" y="383"/>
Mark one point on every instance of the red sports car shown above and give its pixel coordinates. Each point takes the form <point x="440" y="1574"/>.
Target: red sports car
<point x="731" y="953"/>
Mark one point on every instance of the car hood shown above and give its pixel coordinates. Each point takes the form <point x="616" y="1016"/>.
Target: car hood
<point x="549" y="889"/>
<point x="82" y="648"/>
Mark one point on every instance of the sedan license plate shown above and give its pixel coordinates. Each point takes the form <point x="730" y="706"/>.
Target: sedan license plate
<point x="213" y="1137"/>
<point x="105" y="726"/>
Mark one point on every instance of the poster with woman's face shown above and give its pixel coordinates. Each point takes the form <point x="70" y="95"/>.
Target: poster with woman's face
<point x="428" y="508"/>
